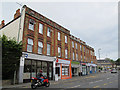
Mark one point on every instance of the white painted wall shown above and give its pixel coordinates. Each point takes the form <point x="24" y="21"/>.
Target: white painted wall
<point x="12" y="29"/>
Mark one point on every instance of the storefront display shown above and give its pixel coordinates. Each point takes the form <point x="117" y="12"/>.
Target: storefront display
<point x="63" y="69"/>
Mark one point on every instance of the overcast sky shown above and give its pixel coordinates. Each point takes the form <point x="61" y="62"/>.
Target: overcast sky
<point x="96" y="23"/>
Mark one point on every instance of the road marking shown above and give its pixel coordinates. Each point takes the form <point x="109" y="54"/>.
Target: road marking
<point x="95" y="81"/>
<point x="96" y="86"/>
<point x="108" y="78"/>
<point x="75" y="86"/>
<point x="110" y="82"/>
<point x="105" y="83"/>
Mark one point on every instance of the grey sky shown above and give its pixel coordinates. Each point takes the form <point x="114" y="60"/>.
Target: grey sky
<point x="96" y="23"/>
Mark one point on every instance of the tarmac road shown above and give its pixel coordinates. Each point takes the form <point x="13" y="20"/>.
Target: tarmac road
<point x="98" y="80"/>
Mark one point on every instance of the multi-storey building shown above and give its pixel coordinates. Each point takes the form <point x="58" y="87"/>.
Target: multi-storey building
<point x="47" y="46"/>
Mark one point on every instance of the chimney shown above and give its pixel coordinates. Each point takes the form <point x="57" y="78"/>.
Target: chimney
<point x="17" y="14"/>
<point x="2" y="24"/>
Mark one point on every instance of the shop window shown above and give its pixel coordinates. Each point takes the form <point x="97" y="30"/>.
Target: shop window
<point x="30" y="45"/>
<point x="40" y="28"/>
<point x="31" y="24"/>
<point x="65" y="70"/>
<point x="48" y="49"/>
<point x="39" y="66"/>
<point x="59" y="52"/>
<point x="33" y="68"/>
<point x="40" y="47"/>
<point x="58" y="35"/>
<point x="44" y="68"/>
<point x="27" y="66"/>
<point x="66" y="53"/>
<point x="48" y="32"/>
<point x="72" y="44"/>
<point x="65" y="39"/>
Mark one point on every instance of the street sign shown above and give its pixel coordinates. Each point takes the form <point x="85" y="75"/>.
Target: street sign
<point x="26" y="55"/>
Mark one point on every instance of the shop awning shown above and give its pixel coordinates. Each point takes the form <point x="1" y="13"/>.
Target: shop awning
<point x="75" y="66"/>
<point x="90" y="64"/>
<point x="38" y="57"/>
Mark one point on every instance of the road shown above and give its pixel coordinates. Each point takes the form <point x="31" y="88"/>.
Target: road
<point x="98" y="80"/>
<point x="102" y="80"/>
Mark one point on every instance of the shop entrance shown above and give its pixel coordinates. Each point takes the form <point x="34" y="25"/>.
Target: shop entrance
<point x="58" y="72"/>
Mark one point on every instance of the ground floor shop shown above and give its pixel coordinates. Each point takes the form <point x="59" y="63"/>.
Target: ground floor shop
<point x="76" y="69"/>
<point x="31" y="64"/>
<point x="84" y="69"/>
<point x="63" y="68"/>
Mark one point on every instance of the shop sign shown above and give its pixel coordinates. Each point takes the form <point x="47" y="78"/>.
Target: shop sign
<point x="62" y="61"/>
<point x="65" y="65"/>
<point x="83" y="63"/>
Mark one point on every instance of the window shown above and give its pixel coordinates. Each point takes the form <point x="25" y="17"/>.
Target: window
<point x="76" y="56"/>
<point x="59" y="52"/>
<point x="29" y="45"/>
<point x="73" y="56"/>
<point x="40" y="28"/>
<point x="48" y="32"/>
<point x="76" y="45"/>
<point x="66" y="53"/>
<point x="58" y="35"/>
<point x="65" y="39"/>
<point x="40" y="47"/>
<point x="81" y="57"/>
<point x="48" y="49"/>
<point x="84" y="48"/>
<point x="31" y="24"/>
<point x="80" y="47"/>
<point x="72" y="44"/>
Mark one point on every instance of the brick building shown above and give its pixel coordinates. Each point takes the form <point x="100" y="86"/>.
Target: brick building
<point x="47" y="46"/>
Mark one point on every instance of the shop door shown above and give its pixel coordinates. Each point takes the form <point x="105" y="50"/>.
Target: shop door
<point x="58" y="72"/>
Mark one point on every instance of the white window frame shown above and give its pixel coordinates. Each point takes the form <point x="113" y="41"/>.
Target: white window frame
<point x="31" y="24"/>
<point x="73" y="56"/>
<point x="40" y="46"/>
<point x="66" y="53"/>
<point x="65" y="39"/>
<point x="58" y="35"/>
<point x="30" y="45"/>
<point x="48" y="49"/>
<point x="76" y="56"/>
<point x="48" y="31"/>
<point x="72" y="44"/>
<point x="76" y="45"/>
<point x="59" y="52"/>
<point x="40" y="28"/>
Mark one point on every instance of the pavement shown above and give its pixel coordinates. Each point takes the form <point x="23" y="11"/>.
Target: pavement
<point x="95" y="80"/>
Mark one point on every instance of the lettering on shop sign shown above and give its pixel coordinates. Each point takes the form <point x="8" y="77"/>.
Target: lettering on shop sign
<point x="62" y="61"/>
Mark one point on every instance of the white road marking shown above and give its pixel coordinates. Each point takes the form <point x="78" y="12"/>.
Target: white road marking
<point x="95" y="81"/>
<point x="75" y="86"/>
<point x="108" y="78"/>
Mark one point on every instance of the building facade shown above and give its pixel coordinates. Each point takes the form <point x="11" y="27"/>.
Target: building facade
<point x="104" y="64"/>
<point x="48" y="46"/>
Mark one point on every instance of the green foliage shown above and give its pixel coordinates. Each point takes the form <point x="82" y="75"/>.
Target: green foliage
<point x="118" y="61"/>
<point x="11" y="53"/>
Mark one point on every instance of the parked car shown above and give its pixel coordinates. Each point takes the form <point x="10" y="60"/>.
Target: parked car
<point x="114" y="71"/>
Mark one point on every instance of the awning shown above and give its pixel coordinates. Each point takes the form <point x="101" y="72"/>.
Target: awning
<point x="38" y="57"/>
<point x="75" y="66"/>
<point x="90" y="64"/>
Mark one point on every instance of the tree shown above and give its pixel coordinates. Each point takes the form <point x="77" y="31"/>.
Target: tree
<point x="118" y="61"/>
<point x="11" y="53"/>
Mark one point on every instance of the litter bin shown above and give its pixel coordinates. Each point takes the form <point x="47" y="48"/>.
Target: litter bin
<point x="56" y="77"/>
